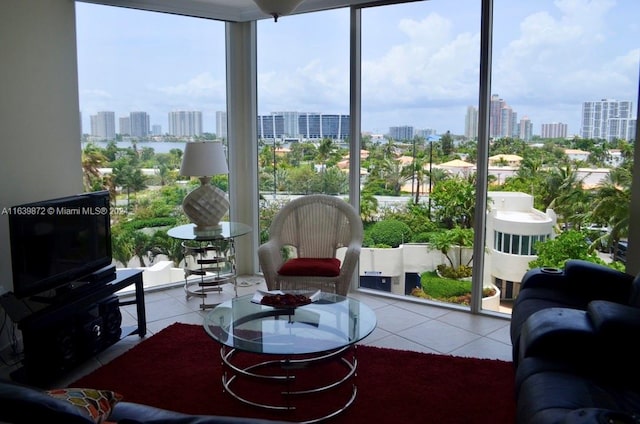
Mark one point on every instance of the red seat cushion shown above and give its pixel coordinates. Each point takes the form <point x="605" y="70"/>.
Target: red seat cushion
<point x="321" y="267"/>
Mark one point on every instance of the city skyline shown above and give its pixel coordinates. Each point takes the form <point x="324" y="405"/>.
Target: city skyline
<point x="549" y="58"/>
<point x="615" y="121"/>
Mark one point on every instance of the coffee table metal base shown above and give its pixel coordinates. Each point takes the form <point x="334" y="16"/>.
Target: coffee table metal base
<point x="287" y="372"/>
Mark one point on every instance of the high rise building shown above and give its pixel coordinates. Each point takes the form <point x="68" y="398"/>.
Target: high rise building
<point x="404" y="132"/>
<point x="503" y="120"/>
<point x="184" y="123"/>
<point x="495" y="116"/>
<point x="608" y="119"/>
<point x="221" y="124"/>
<point x="103" y="125"/>
<point x="303" y="125"/>
<point x="290" y="123"/>
<point x="156" y="129"/>
<point x="554" y="130"/>
<point x="425" y="133"/>
<point x="471" y="123"/>
<point x="125" y="125"/>
<point x="525" y="129"/>
<point x="139" y="124"/>
<point x="316" y="126"/>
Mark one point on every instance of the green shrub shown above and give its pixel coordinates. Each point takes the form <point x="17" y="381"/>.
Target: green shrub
<point x="443" y="288"/>
<point x="390" y="232"/>
<point x="424" y="237"/>
<point x="463" y="271"/>
<point x="367" y="241"/>
<point x="139" y="224"/>
<point x="447" y="290"/>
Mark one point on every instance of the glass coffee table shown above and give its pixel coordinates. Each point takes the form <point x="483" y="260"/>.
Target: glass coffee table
<point x="299" y="359"/>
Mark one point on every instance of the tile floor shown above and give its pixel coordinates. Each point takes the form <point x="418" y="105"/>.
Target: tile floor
<point x="402" y="324"/>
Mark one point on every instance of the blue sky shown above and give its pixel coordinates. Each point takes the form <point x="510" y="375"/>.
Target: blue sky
<point x="420" y="61"/>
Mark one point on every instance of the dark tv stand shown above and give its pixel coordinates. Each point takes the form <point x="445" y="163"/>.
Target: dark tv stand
<point x="61" y="333"/>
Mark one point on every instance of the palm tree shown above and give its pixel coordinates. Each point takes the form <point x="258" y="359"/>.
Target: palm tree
<point x="457" y="238"/>
<point x="324" y="150"/>
<point x="162" y="244"/>
<point x="394" y="176"/>
<point x="121" y="246"/>
<point x="141" y="245"/>
<point x="129" y="177"/>
<point x="368" y="207"/>
<point x="92" y="159"/>
<point x="612" y="203"/>
<point x="418" y="173"/>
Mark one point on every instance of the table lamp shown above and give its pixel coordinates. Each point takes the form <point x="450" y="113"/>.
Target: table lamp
<point x="206" y="205"/>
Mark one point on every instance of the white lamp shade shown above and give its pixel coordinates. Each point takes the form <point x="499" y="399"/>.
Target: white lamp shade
<point x="277" y="8"/>
<point x="203" y="159"/>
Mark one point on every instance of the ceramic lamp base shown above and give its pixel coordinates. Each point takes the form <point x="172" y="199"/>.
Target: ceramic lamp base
<point x="205" y="207"/>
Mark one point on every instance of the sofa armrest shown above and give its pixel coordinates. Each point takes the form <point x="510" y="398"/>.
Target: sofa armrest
<point x="597" y="281"/>
<point x="616" y="350"/>
<point x="556" y="333"/>
<point x="585" y="279"/>
<point x="615" y="321"/>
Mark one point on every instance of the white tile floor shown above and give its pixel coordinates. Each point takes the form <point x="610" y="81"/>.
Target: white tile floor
<point x="402" y="324"/>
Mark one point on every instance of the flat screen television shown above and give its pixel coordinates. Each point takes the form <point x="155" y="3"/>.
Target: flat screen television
<point x="58" y="242"/>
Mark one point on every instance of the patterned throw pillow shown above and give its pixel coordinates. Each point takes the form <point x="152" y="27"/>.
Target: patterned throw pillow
<point x="97" y="404"/>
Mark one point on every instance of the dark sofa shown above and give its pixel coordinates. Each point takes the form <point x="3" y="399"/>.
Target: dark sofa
<point x="575" y="351"/>
<point x="22" y="404"/>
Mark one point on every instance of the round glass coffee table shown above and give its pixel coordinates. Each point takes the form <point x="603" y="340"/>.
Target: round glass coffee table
<point x="292" y="359"/>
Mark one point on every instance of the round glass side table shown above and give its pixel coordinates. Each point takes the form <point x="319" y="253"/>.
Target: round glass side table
<point x="209" y="259"/>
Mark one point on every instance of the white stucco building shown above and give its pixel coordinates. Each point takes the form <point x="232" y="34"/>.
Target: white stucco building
<point x="513" y="228"/>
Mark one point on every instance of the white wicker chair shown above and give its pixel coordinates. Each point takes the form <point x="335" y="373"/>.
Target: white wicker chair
<point x="314" y="229"/>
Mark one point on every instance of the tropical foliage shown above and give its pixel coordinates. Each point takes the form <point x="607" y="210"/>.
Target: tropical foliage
<point x="571" y="244"/>
<point x="444" y="216"/>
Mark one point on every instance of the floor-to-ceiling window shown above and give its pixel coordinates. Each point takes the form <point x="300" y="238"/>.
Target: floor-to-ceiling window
<point x="562" y="119"/>
<point x="419" y="72"/>
<point x="564" y="87"/>
<point x="148" y="83"/>
<point x="558" y="70"/>
<point x="303" y="108"/>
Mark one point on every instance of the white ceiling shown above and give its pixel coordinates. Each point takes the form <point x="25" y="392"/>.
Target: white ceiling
<point x="231" y="10"/>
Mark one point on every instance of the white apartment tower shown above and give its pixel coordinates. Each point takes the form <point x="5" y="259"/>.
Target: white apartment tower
<point x="554" y="130"/>
<point x="503" y="120"/>
<point x="125" y="125"/>
<point x="471" y="123"/>
<point x="404" y="132"/>
<point x="525" y="129"/>
<point x="221" y="125"/>
<point x="608" y="119"/>
<point x="290" y="123"/>
<point x="140" y="124"/>
<point x="184" y="123"/>
<point x="103" y="125"/>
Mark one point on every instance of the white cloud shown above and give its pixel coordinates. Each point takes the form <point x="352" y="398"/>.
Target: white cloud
<point x="96" y="94"/>
<point x="556" y="58"/>
<point x="420" y="66"/>
<point x="203" y="85"/>
<point x="432" y="64"/>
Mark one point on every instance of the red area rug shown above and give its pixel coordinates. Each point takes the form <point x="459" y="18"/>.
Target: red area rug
<point x="180" y="369"/>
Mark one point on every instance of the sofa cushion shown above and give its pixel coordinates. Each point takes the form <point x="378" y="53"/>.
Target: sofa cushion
<point x="23" y="404"/>
<point x="96" y="404"/>
<point x="136" y="413"/>
<point x="322" y="267"/>
<point x="551" y="391"/>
